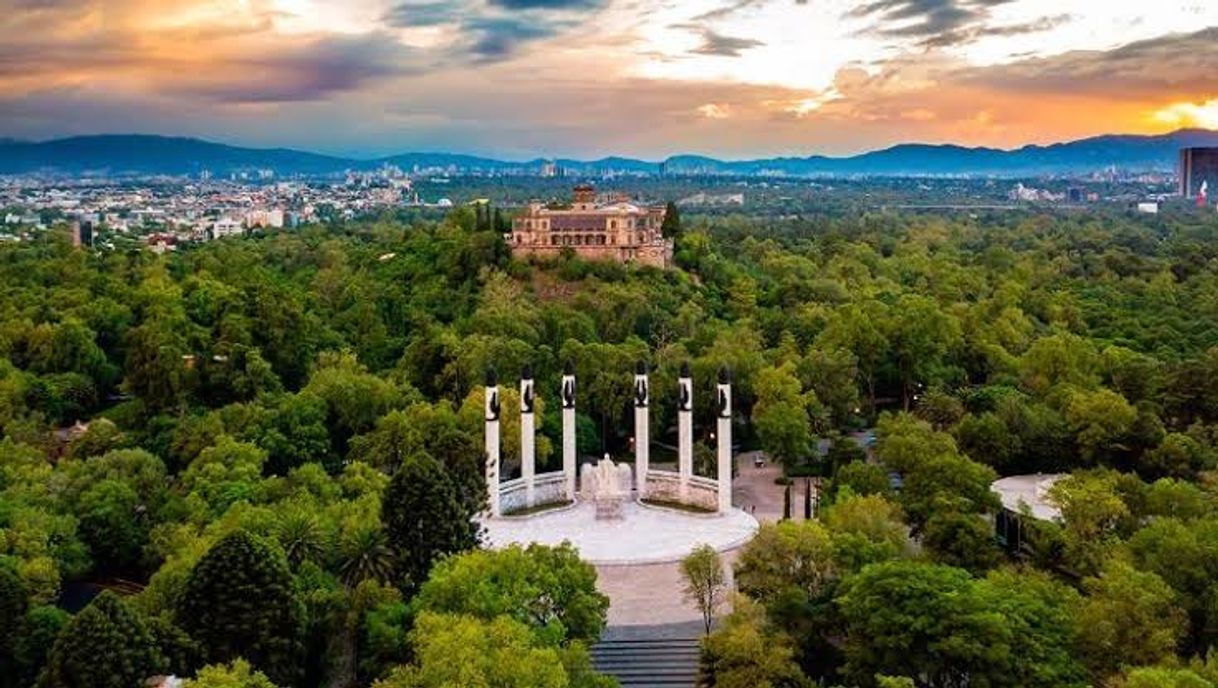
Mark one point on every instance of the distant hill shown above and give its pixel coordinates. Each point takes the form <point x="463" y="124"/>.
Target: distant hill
<point x="140" y="154"/>
<point x="154" y="155"/>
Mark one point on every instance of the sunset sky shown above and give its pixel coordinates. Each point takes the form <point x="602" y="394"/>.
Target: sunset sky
<point x="646" y="78"/>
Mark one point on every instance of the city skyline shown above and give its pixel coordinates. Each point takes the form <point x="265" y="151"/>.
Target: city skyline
<point x="523" y="78"/>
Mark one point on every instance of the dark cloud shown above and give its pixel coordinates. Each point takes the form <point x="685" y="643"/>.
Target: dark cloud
<point x="312" y="72"/>
<point x="724" y="46"/>
<point x="933" y="22"/>
<point x="549" y="4"/>
<point x="727" y="10"/>
<point x="1166" y="66"/>
<point x="496" y="38"/>
<point x="1035" y="26"/>
<point x="423" y="13"/>
<point x="239" y="61"/>
<point x="496" y="29"/>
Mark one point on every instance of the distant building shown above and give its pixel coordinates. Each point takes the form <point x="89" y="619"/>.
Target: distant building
<point x="264" y="218"/>
<point x="1149" y="207"/>
<point x="549" y="168"/>
<point x="82" y="233"/>
<point x="618" y="231"/>
<point x="1198" y="166"/>
<point x="226" y="226"/>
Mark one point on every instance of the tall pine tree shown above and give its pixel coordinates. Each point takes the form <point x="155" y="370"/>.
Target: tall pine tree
<point x="425" y="519"/>
<point x="107" y="645"/>
<point x="14" y="599"/>
<point x="671" y="226"/>
<point x="240" y="601"/>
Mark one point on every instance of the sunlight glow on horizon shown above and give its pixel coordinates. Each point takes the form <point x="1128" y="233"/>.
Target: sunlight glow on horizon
<point x="738" y="78"/>
<point x="1190" y="115"/>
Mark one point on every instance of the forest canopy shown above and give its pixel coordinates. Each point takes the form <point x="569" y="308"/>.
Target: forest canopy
<point x="300" y="413"/>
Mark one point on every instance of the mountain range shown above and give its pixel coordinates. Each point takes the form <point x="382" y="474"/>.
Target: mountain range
<point x="146" y="154"/>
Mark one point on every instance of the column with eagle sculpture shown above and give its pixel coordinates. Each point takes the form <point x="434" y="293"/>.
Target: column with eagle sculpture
<point x="528" y="425"/>
<point x="642" y="430"/>
<point x="724" y="436"/>
<point x="491" y="417"/>
<point x="685" y="431"/>
<point x="567" y="393"/>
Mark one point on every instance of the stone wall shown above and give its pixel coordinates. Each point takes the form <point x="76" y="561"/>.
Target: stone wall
<point x="548" y="488"/>
<point x="665" y="486"/>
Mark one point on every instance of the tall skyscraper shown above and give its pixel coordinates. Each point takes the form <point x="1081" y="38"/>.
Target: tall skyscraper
<point x="1198" y="166"/>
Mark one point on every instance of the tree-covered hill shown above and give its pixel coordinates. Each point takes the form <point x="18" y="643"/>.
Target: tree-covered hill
<point x="284" y="413"/>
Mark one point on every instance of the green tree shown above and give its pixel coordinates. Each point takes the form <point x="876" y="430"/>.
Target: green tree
<point x="780" y="416"/>
<point x="364" y="554"/>
<point x="240" y="601"/>
<point x="108" y="645"/>
<point x="225" y="473"/>
<point x="861" y="478"/>
<point x="787" y="555"/>
<point x="465" y="651"/>
<point x="1038" y="611"/>
<point x="425" y="519"/>
<point x="1059" y="359"/>
<point x="354" y="398"/>
<point x="865" y="529"/>
<point x="705" y="582"/>
<point x="1185" y="557"/>
<point x="935" y="623"/>
<point x="113" y="526"/>
<point x="32" y="642"/>
<point x="671" y="227"/>
<point x="296" y="434"/>
<point x="746" y="652"/>
<point x="1128" y="618"/>
<point x="948" y="483"/>
<point x="236" y="674"/>
<point x="1093" y="513"/>
<point x="14" y="600"/>
<point x="1102" y="422"/>
<point x="547" y="588"/>
<point x="964" y="540"/>
<point x="1162" y="677"/>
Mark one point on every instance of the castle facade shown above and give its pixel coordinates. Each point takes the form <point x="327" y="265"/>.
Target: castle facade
<point x="617" y="230"/>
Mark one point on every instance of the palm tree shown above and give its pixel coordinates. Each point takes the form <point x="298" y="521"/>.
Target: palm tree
<point x="365" y="555"/>
<point x="301" y="536"/>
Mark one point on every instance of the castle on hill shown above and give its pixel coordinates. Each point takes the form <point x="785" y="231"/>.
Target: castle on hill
<point x="617" y="230"/>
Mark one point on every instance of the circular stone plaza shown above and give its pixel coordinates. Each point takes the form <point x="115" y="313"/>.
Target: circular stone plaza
<point x="631" y="524"/>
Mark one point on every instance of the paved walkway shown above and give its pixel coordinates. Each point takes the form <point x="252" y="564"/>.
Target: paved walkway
<point x="756" y="492"/>
<point x="643" y="535"/>
<point x="652" y="594"/>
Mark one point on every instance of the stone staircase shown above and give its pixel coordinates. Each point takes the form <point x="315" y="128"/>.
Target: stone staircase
<point x="649" y="656"/>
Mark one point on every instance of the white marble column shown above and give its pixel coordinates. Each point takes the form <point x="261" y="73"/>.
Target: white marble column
<point x="491" y="415"/>
<point x="568" y="429"/>
<point x="642" y="430"/>
<point x="724" y="437"/>
<point x="685" y="431"/>
<point x="528" y="459"/>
